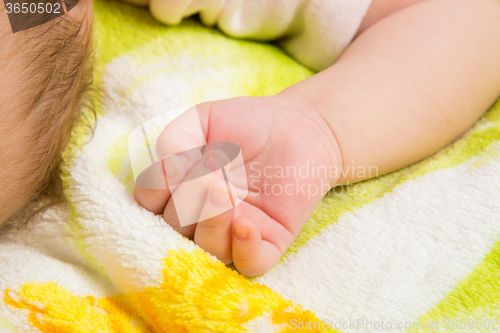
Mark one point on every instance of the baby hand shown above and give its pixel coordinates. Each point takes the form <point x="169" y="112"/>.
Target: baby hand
<point x="290" y="158"/>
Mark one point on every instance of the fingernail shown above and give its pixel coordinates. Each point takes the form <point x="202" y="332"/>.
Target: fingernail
<point x="169" y="167"/>
<point x="219" y="197"/>
<point x="241" y="232"/>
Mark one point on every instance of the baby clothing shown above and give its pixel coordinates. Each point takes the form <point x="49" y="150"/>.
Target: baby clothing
<point x="314" y="32"/>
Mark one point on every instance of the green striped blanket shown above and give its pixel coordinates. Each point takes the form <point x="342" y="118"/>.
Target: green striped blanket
<point x="414" y="250"/>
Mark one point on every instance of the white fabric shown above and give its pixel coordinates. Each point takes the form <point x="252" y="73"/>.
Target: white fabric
<point x="314" y="32"/>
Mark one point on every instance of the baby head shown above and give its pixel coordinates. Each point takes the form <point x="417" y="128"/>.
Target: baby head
<point x="43" y="73"/>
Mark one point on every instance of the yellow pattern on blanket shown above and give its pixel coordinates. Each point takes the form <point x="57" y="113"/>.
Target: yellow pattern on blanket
<point x="201" y="296"/>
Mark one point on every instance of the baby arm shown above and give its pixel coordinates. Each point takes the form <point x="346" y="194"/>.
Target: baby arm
<point x="407" y="86"/>
<point x="410" y="84"/>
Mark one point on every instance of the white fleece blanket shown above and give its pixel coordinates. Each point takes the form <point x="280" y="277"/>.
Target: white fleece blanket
<point x="415" y="250"/>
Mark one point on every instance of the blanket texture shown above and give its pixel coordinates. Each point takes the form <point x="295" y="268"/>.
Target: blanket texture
<point x="414" y="250"/>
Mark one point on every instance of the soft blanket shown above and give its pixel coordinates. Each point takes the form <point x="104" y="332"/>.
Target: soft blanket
<point x="415" y="250"/>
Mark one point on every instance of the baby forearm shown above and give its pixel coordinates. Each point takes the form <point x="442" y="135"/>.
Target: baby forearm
<point x="410" y="84"/>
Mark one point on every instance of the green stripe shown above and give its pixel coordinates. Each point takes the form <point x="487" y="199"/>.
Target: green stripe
<point x="476" y="297"/>
<point x="262" y="68"/>
<point x="334" y="205"/>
